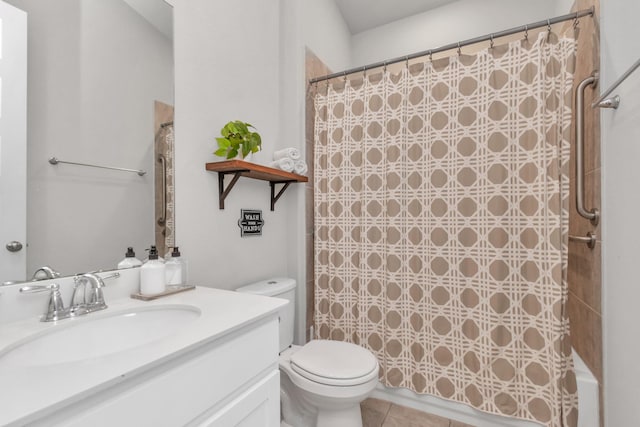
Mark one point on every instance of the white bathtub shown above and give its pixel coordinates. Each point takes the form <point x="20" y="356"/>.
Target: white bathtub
<point x="588" y="407"/>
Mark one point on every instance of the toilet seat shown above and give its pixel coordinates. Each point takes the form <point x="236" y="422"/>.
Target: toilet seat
<point x="334" y="363"/>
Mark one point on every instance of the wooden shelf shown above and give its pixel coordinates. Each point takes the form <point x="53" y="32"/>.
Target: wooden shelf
<point x="239" y="168"/>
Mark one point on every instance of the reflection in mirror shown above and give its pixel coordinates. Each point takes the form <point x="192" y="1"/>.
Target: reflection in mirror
<point x="95" y="71"/>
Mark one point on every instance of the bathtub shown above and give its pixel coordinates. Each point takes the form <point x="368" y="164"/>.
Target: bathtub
<point x="588" y="407"/>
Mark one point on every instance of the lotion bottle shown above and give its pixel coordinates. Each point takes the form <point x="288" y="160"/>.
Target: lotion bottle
<point x="152" y="274"/>
<point x="174" y="268"/>
<point x="129" y="260"/>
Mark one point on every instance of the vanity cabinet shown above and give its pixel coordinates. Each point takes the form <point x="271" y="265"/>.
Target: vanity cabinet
<point x="230" y="381"/>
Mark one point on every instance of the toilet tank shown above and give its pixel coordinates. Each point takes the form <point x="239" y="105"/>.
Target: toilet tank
<point x="279" y="287"/>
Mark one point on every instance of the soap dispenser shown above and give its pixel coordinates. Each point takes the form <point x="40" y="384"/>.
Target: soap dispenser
<point x="152" y="274"/>
<point x="174" y="268"/>
<point x="129" y="260"/>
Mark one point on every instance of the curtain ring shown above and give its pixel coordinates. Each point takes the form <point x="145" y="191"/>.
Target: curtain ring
<point x="430" y="56"/>
<point x="491" y="45"/>
<point x="344" y="76"/>
<point x="575" y="21"/>
<point x="406" y="62"/>
<point x="364" y="72"/>
<point x="459" y="50"/>
<point x="384" y="68"/>
<point x="526" y="33"/>
<point x="548" y="29"/>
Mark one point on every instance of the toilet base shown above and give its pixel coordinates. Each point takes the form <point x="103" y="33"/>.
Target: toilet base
<point x="299" y="411"/>
<point x="351" y="417"/>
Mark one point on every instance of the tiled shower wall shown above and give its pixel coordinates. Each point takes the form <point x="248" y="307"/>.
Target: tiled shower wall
<point x="585" y="271"/>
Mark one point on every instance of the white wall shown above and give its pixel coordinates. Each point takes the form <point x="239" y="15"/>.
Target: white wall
<point x="227" y="71"/>
<point x="326" y="33"/>
<point x="256" y="76"/>
<point x="621" y="204"/>
<point x="450" y="23"/>
<point x="94" y="70"/>
<point x="563" y="7"/>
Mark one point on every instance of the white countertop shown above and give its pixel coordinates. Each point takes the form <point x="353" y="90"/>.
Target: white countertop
<point x="27" y="391"/>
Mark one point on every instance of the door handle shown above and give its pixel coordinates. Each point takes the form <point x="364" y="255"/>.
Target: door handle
<point x="14" y="246"/>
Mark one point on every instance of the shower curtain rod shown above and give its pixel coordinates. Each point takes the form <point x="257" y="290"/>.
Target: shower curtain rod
<point x="458" y="45"/>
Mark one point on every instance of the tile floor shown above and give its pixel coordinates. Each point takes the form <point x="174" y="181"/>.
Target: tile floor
<point x="380" y="413"/>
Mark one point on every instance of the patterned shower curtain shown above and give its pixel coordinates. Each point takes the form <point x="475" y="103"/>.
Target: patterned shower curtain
<point x="441" y="226"/>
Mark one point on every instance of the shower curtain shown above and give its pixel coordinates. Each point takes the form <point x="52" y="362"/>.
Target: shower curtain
<point x="441" y="226"/>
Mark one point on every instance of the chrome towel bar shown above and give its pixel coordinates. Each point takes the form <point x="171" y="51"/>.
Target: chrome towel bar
<point x="55" y="161"/>
<point x="589" y="239"/>
<point x="614" y="101"/>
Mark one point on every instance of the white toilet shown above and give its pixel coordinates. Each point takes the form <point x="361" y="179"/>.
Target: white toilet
<point x="323" y="382"/>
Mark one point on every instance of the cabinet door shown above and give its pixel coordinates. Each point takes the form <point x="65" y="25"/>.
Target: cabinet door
<point x="185" y="390"/>
<point x="259" y="406"/>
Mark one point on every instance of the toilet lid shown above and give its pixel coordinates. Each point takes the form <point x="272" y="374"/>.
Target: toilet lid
<point x="335" y="363"/>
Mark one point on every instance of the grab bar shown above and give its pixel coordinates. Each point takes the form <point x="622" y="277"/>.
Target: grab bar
<point x="55" y="161"/>
<point x="593" y="215"/>
<point x="163" y="193"/>
<point x="589" y="239"/>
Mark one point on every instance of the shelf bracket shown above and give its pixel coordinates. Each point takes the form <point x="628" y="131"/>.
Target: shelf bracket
<point x="222" y="192"/>
<point x="274" y="196"/>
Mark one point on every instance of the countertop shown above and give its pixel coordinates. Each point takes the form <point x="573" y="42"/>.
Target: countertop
<point x="27" y="391"/>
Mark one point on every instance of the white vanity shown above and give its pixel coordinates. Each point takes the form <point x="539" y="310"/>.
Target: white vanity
<point x="205" y="357"/>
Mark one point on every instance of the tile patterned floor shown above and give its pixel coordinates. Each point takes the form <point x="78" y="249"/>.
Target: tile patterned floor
<point x="380" y="413"/>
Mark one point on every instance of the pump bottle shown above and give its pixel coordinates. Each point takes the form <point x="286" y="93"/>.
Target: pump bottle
<point x="152" y="274"/>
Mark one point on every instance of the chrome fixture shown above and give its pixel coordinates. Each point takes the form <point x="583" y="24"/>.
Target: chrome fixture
<point x="614" y="101"/>
<point x="49" y="273"/>
<point x="592" y="215"/>
<point x="610" y="102"/>
<point x="589" y="239"/>
<point x="95" y="300"/>
<point x="55" y="161"/>
<point x="14" y="246"/>
<point x="55" y="308"/>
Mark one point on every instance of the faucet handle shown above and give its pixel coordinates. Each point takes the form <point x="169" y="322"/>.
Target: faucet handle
<point x="32" y="289"/>
<point x="55" y="310"/>
<point x="101" y="284"/>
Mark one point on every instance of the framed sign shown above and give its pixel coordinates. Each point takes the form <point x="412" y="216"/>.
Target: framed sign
<point x="250" y="222"/>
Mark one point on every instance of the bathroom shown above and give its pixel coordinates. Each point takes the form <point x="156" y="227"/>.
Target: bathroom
<point x="222" y="73"/>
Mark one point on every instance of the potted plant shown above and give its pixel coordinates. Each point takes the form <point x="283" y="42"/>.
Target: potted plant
<point x="238" y="139"/>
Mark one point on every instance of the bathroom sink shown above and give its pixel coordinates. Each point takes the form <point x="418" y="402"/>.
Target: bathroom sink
<point x="87" y="338"/>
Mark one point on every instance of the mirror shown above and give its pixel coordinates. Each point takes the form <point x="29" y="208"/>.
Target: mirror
<point x="95" y="71"/>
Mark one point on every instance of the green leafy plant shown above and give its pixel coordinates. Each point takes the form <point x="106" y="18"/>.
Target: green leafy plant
<point x="236" y="138"/>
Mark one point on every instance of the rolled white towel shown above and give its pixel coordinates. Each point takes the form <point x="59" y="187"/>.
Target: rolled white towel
<point x="285" y="164"/>
<point x="292" y="153"/>
<point x="300" y="167"/>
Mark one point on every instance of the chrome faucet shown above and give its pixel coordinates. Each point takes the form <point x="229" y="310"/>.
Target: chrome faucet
<point x="49" y="273"/>
<point x="95" y="300"/>
<point x="55" y="308"/>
